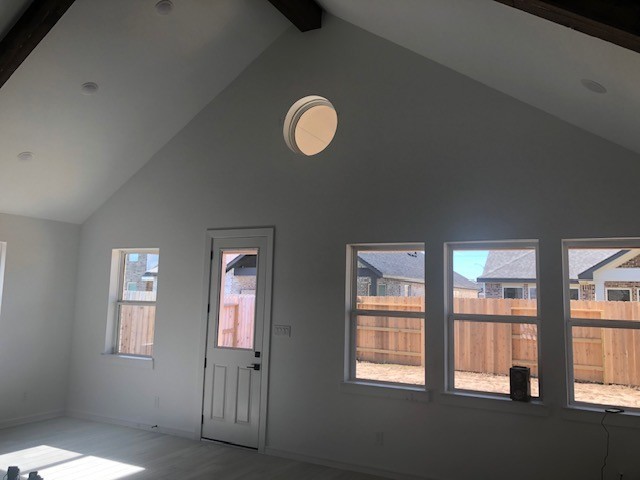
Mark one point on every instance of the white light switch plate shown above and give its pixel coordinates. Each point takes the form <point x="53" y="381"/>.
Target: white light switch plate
<point x="282" y="330"/>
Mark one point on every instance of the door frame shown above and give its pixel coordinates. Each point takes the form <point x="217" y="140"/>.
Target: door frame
<point x="229" y="233"/>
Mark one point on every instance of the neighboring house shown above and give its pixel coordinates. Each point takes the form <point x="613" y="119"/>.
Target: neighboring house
<point x="396" y="274"/>
<point x="240" y="277"/>
<point x="139" y="276"/>
<point x="390" y="274"/>
<point x="594" y="274"/>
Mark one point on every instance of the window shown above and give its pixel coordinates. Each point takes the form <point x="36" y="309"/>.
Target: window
<point x="603" y="327"/>
<point x="135" y="281"/>
<point x="386" y="340"/>
<point x="513" y="292"/>
<point x="574" y="294"/>
<point x="618" y="294"/>
<point x="487" y="336"/>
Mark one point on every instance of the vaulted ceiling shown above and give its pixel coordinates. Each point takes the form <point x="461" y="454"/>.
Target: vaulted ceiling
<point x="156" y="72"/>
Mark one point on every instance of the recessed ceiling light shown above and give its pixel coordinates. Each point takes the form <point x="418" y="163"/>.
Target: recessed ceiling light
<point x="164" y="7"/>
<point x="593" y="86"/>
<point x="89" y="88"/>
<point x="310" y="125"/>
<point x="25" y="156"/>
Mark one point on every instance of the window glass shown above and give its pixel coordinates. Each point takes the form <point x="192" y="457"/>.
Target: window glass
<point x="390" y="280"/>
<point x="388" y="341"/>
<point x="140" y="276"/>
<point x="495" y="281"/>
<point x="485" y="351"/>
<point x="606" y="366"/>
<point x="236" y="317"/>
<point x="390" y="349"/>
<point x="609" y="279"/>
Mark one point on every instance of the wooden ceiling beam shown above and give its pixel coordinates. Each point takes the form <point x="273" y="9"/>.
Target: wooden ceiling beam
<point x="304" y="14"/>
<point x="616" y="21"/>
<point x="28" y="32"/>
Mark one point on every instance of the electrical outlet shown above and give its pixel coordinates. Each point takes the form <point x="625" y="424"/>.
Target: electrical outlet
<point x="156" y="402"/>
<point x="379" y="439"/>
<point x="282" y="330"/>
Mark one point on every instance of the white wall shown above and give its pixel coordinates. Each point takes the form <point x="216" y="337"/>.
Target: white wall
<point x="421" y="154"/>
<point x="36" y="316"/>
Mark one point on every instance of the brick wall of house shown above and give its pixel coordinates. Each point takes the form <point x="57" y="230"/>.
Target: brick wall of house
<point x="587" y="292"/>
<point x="633" y="286"/>
<point x="395" y="288"/>
<point x="364" y="285"/>
<point x="492" y="290"/>
<point x="134" y="272"/>
<point x="633" y="263"/>
<point x="235" y="285"/>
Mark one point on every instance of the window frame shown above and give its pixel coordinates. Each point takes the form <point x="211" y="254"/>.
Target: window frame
<point x="451" y="317"/>
<point x="352" y="312"/>
<point x="571" y="322"/>
<point x="120" y="256"/>
<point x="529" y="292"/>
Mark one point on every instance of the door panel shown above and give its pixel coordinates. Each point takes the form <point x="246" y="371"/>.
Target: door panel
<point x="231" y="407"/>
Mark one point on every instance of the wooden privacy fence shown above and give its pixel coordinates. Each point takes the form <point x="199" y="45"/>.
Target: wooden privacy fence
<point x="137" y="323"/>
<point x="236" y="323"/>
<point x="601" y="355"/>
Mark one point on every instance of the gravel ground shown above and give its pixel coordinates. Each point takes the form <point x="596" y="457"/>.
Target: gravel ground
<point x="584" y="392"/>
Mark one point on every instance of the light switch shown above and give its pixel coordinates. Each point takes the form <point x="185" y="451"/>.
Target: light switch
<point x="282" y="330"/>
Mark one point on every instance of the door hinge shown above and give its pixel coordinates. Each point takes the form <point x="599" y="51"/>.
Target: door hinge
<point x="208" y="308"/>
<point x="211" y="254"/>
<point x="202" y="420"/>
<point x="205" y="362"/>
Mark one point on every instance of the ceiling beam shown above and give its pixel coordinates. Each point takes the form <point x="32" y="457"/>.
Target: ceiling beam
<point x="304" y="14"/>
<point x="27" y="33"/>
<point x="616" y="21"/>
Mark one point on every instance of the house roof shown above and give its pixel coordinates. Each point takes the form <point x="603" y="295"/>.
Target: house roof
<point x="520" y="265"/>
<point x="406" y="265"/>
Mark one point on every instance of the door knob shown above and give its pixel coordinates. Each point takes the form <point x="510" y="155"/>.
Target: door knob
<point x="255" y="366"/>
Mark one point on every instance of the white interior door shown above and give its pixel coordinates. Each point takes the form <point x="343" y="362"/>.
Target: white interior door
<point x="235" y="339"/>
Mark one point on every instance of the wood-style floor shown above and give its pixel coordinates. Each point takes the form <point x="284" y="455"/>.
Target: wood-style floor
<point x="71" y="449"/>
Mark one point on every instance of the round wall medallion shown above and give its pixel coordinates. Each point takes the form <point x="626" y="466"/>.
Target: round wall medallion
<point x="310" y="125"/>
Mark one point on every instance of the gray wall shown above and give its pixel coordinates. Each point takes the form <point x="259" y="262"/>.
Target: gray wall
<point x="452" y="160"/>
<point x="36" y="316"/>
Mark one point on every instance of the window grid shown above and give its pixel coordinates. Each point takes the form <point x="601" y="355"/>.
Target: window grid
<point x="452" y="317"/>
<point x="354" y="312"/>
<point x="571" y="322"/>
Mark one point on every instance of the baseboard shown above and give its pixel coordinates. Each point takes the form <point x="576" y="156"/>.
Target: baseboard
<point x="131" y="424"/>
<point x="344" y="466"/>
<point x="12" y="422"/>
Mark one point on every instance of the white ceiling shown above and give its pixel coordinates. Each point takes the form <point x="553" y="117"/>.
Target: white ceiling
<point x="526" y="57"/>
<point x="155" y="73"/>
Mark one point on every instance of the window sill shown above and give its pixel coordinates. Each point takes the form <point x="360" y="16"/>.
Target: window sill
<point x="496" y="403"/>
<point x="595" y="413"/>
<point x="129" y="361"/>
<point x="398" y="392"/>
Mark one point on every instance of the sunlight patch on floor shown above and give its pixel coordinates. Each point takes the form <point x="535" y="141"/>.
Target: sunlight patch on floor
<point x="58" y="464"/>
